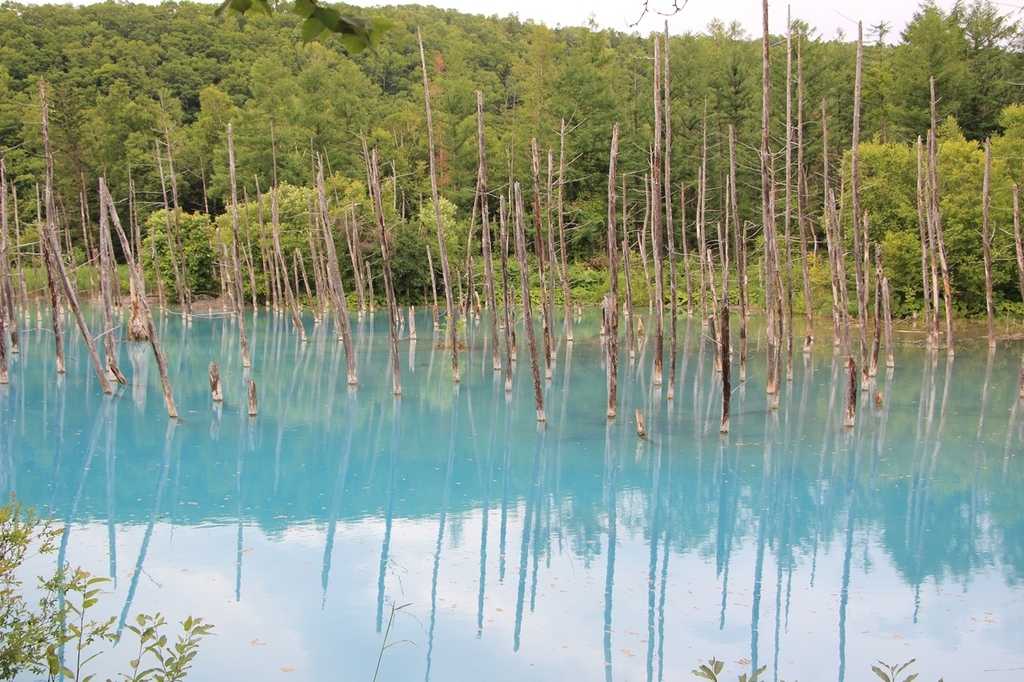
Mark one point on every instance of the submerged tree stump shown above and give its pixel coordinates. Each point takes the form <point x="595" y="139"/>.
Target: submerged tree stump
<point x="215" y="390"/>
<point x="851" y="393"/>
<point x="251" y="391"/>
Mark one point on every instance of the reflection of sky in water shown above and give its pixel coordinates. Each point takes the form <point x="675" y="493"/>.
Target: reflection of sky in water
<point x="792" y="543"/>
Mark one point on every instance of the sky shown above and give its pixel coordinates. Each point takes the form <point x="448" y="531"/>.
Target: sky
<point x="827" y="16"/>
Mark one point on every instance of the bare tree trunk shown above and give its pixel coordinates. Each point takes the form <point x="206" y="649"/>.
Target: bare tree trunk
<point x="389" y="288"/>
<point x="656" y="226"/>
<point x="631" y="333"/>
<point x="57" y="269"/>
<point x="859" y="247"/>
<point x="801" y="197"/>
<point x="923" y="219"/>
<point x="172" y="247"/>
<point x="723" y="353"/>
<point x="433" y="287"/>
<point x="940" y="240"/>
<point x="135" y="272"/>
<point x="524" y="281"/>
<point x="772" y="299"/>
<point x="740" y="247"/>
<point x="561" y="234"/>
<point x="250" y="390"/>
<point x="235" y="255"/>
<point x="509" y="317"/>
<point x="1017" y="240"/>
<point x="186" y="289"/>
<point x="6" y="284"/>
<point x="485" y="234"/>
<point x="215" y="388"/>
<point x="850" y="415"/>
<point x="986" y="243"/>
<point x="341" y="318"/>
<point x="275" y="227"/>
<point x="453" y="334"/>
<point x="669" y="227"/>
<point x="613" y="270"/>
<point x="685" y="249"/>
<point x="789" y="197"/>
<point x="702" y="243"/>
<point x="541" y="257"/>
<point x="108" y="276"/>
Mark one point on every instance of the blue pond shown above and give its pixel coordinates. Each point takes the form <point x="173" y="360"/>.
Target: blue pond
<point x="512" y="550"/>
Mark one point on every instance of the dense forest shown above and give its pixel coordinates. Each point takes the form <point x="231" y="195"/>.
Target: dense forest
<point x="142" y="95"/>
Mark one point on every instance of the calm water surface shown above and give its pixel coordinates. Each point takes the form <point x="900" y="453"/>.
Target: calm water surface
<point x="517" y="551"/>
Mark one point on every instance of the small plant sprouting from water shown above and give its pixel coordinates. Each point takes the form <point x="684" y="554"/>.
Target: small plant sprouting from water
<point x="385" y="645"/>
<point x="891" y="673"/>
<point x="885" y="671"/>
<point x="712" y="669"/>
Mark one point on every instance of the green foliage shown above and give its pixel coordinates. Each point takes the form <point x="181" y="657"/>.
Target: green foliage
<point x="196" y="236"/>
<point x="27" y="630"/>
<point x="168" y="662"/>
<point x="55" y="635"/>
<point x="318" y="22"/>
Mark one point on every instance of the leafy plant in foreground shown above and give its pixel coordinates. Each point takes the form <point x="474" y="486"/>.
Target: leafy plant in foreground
<point x="53" y="634"/>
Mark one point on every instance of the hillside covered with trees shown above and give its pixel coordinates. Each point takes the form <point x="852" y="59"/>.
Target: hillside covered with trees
<point x="143" y="94"/>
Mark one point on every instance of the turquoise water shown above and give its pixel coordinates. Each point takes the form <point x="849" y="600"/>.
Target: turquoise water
<point x="519" y="551"/>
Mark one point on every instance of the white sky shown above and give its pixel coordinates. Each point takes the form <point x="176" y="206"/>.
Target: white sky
<point x="827" y="16"/>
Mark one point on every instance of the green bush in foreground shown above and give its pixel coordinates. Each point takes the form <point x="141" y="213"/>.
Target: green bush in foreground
<point x="54" y="635"/>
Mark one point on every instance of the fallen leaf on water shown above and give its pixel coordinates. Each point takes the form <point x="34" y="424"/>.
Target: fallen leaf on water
<point x="286" y="669"/>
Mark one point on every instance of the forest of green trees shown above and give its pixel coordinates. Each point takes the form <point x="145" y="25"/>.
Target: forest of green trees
<point x="132" y="88"/>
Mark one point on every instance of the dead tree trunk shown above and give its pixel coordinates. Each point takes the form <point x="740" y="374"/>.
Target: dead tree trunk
<point x="1017" y="240"/>
<point x="801" y="197"/>
<point x="787" y="235"/>
<point x="6" y="283"/>
<point x="669" y="227"/>
<point x="561" y="234"/>
<point x="986" y="243"/>
<point x="541" y="257"/>
<point x="656" y="227"/>
<point x="772" y="300"/>
<point x="506" y="290"/>
<point x="108" y="277"/>
<point x="235" y="253"/>
<point x="275" y="228"/>
<point x="389" y="287"/>
<point x="250" y="386"/>
<point x="56" y="262"/>
<point x="135" y="272"/>
<point x="930" y="323"/>
<point x="859" y="247"/>
<point x="883" y="283"/>
<point x="940" y="240"/>
<point x="850" y="416"/>
<point x="336" y="286"/>
<point x="485" y="234"/>
<point x="453" y="333"/>
<point x="186" y="289"/>
<point x="524" y="282"/>
<point x="613" y="271"/>
<point x="740" y="247"/>
<point x="215" y="389"/>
